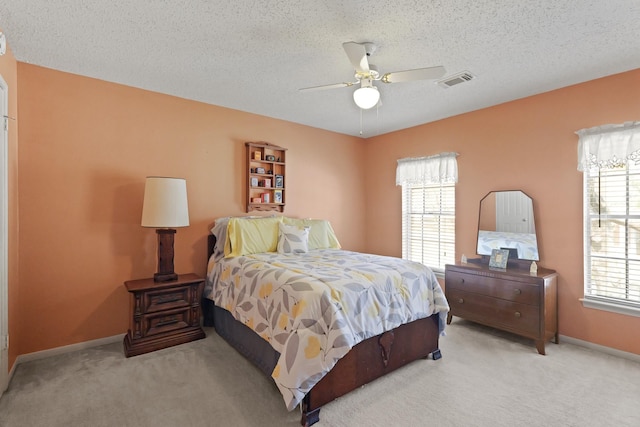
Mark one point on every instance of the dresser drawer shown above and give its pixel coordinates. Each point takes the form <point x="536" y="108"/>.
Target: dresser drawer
<point x="520" y="292"/>
<point x="165" y="299"/>
<point x="509" y="315"/>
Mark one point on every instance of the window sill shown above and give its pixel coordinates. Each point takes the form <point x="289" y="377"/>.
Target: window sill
<point x="611" y="307"/>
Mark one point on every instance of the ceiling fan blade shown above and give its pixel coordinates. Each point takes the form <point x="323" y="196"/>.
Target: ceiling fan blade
<point x="417" y="74"/>
<point x="357" y="55"/>
<point x="331" y="86"/>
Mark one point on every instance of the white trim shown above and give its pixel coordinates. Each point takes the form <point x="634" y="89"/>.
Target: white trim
<point x="37" y="355"/>
<point x="612" y="307"/>
<point x="4" y="236"/>
<point x="601" y="348"/>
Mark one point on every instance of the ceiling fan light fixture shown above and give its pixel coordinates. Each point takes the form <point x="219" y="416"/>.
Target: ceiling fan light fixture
<point x="366" y="97"/>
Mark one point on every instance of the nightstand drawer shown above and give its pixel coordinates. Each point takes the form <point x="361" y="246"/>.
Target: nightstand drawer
<point x="499" y="288"/>
<point x="160" y="323"/>
<point x="166" y="299"/>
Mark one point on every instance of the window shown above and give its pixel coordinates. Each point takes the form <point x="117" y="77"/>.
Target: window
<point x="612" y="234"/>
<point x="428" y="224"/>
<point x="609" y="159"/>
<point x="428" y="209"/>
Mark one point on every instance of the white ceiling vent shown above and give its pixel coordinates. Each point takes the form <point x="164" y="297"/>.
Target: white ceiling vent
<point x="455" y="79"/>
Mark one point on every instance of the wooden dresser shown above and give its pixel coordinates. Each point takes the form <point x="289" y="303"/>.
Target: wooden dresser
<point x="163" y="314"/>
<point x="512" y="300"/>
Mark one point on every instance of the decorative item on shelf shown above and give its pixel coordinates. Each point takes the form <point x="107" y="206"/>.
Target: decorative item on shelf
<point x="165" y="207"/>
<point x="267" y="182"/>
<point x="277" y="196"/>
<point x="266" y="198"/>
<point x="260" y="171"/>
<point x="499" y="258"/>
<point x="256" y="200"/>
<point x="279" y="181"/>
<point x="269" y="172"/>
<point x="270" y="158"/>
<point x="463" y="259"/>
<point x="254" y="181"/>
<point x="257" y="155"/>
<point x="533" y="270"/>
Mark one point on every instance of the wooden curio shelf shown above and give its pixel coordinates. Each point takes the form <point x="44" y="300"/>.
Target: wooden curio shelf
<point x="265" y="177"/>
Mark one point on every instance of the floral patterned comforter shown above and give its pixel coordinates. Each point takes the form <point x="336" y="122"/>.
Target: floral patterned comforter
<point x="314" y="307"/>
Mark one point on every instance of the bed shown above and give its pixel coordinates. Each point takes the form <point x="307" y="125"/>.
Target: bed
<point x="319" y="320"/>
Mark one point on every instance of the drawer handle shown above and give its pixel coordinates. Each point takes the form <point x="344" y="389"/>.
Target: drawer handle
<point x="517" y="314"/>
<point x="165" y="299"/>
<point x="517" y="291"/>
<point x="461" y="301"/>
<point x="167" y="321"/>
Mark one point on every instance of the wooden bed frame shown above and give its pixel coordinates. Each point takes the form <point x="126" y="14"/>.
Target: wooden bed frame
<point x="366" y="361"/>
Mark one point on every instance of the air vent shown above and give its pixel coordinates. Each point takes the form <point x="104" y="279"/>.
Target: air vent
<point x="456" y="79"/>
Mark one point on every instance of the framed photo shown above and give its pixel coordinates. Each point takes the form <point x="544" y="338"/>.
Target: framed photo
<point x="254" y="181"/>
<point x="260" y="170"/>
<point x="499" y="258"/>
<point x="277" y="196"/>
<point x="266" y="198"/>
<point x="279" y="181"/>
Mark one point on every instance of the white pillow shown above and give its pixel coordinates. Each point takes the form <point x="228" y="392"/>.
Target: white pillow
<point x="293" y="239"/>
<point x="321" y="234"/>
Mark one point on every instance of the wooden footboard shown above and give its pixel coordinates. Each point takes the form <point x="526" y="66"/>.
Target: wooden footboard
<point x="372" y="359"/>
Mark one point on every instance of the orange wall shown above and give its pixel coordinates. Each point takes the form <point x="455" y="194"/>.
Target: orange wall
<point x="86" y="147"/>
<point x="528" y="144"/>
<point x="9" y="72"/>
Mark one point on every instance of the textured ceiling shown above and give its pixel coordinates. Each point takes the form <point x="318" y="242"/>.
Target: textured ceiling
<point x="254" y="55"/>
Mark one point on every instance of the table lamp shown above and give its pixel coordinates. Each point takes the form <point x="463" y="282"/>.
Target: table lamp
<point x="165" y="208"/>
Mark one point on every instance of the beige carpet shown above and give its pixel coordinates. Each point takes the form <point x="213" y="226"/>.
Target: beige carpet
<point x="485" y="378"/>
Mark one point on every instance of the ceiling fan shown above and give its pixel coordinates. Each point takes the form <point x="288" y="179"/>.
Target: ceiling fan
<point x="367" y="95"/>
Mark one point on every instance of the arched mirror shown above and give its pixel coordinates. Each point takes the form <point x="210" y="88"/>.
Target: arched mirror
<point x="506" y="222"/>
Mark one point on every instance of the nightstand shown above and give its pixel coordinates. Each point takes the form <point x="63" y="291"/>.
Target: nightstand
<point x="163" y="314"/>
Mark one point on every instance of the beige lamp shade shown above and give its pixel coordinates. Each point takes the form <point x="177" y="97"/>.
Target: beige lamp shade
<point x="165" y="203"/>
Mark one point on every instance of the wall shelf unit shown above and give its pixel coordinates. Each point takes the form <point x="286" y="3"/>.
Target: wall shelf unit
<point x="265" y="177"/>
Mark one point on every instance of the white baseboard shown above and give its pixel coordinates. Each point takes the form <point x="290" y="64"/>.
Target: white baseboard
<point x="600" y="348"/>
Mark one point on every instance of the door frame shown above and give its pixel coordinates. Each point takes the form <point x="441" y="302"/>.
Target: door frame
<point x="4" y="235"/>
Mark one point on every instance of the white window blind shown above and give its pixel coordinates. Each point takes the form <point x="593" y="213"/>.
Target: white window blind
<point x="428" y="209"/>
<point x="608" y="156"/>
<point x="428" y="224"/>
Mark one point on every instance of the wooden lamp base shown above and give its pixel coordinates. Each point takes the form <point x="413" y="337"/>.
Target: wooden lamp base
<point x="165" y="255"/>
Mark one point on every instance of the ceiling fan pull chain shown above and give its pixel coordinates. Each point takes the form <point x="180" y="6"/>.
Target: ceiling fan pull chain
<point x="360" y="120"/>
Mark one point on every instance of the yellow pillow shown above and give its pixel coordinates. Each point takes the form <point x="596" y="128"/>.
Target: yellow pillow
<point x="321" y="234"/>
<point x="251" y="236"/>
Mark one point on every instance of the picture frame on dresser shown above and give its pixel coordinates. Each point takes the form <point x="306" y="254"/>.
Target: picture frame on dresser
<point x="499" y="258"/>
